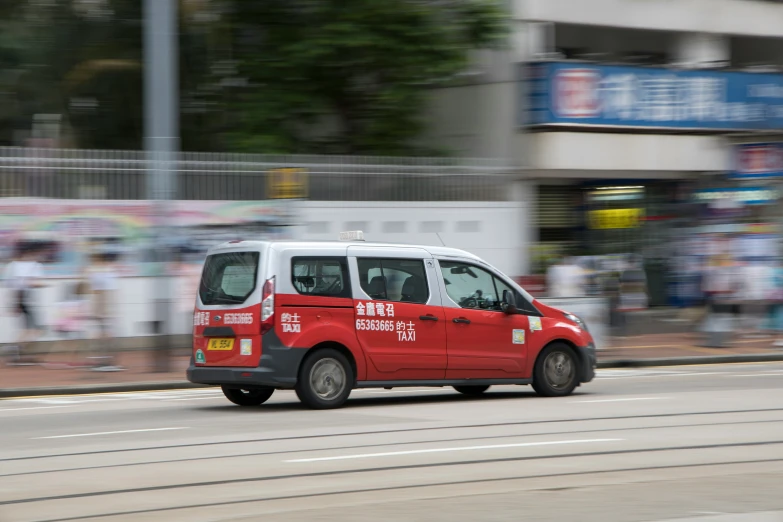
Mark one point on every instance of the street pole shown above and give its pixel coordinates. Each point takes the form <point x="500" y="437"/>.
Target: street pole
<point x="161" y="143"/>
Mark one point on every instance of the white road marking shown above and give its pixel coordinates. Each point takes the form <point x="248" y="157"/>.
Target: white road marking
<point x="688" y="374"/>
<point x="32" y="408"/>
<point x="756" y="375"/>
<point x="458" y="448"/>
<point x="198" y="399"/>
<point x="624" y="400"/>
<point x="638" y="374"/>
<point x="106" y="433"/>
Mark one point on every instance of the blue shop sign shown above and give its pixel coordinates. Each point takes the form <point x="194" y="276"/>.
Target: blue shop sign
<point x="574" y="94"/>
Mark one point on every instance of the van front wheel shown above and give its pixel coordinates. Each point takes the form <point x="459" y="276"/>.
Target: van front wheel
<point x="556" y="373"/>
<point x="325" y="380"/>
<point x="254" y="397"/>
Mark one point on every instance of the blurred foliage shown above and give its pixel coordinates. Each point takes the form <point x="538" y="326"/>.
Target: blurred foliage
<point x="272" y="76"/>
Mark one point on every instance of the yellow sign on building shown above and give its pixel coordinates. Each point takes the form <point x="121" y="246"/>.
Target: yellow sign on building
<point x="287" y="183"/>
<point x="615" y="218"/>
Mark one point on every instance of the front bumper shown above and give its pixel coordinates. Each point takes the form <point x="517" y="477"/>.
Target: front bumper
<point x="589" y="362"/>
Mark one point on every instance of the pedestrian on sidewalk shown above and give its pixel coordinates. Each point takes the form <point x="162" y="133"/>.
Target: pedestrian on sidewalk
<point x="721" y="285"/>
<point x="188" y="275"/>
<point x="73" y="321"/>
<point x="775" y="318"/>
<point x="566" y="279"/>
<point x="24" y="275"/>
<point x="104" y="284"/>
<point x="756" y="280"/>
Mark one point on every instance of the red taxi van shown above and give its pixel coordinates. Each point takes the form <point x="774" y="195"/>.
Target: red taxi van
<point x="323" y="318"/>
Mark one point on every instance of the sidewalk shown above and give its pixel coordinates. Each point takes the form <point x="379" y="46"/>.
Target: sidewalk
<point x="139" y="373"/>
<point x="644" y="350"/>
<point x="684" y="348"/>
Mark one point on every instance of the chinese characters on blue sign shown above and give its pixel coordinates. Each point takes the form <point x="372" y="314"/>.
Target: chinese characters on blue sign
<point x="578" y="94"/>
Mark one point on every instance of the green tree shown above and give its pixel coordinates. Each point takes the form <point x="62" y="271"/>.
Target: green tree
<point x="349" y="76"/>
<point x="78" y="59"/>
<point x="273" y="76"/>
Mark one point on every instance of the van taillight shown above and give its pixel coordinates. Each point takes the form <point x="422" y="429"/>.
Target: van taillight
<point x="268" y="306"/>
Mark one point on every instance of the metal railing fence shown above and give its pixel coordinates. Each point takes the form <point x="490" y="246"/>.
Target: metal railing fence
<point x="122" y="175"/>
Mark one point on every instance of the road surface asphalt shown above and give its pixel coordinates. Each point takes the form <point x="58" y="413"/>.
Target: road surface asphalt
<point x="696" y="443"/>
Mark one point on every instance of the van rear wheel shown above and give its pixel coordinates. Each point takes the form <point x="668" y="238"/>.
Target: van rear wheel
<point x="325" y="380"/>
<point x="254" y="397"/>
<point x="473" y="391"/>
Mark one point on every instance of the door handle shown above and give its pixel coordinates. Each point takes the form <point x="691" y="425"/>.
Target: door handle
<point x="461" y="320"/>
<point x="428" y="318"/>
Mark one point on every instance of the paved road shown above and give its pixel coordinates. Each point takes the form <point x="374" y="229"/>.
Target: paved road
<point x="687" y="443"/>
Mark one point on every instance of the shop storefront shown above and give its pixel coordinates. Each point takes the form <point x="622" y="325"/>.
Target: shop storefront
<point x="636" y="160"/>
<point x="599" y="217"/>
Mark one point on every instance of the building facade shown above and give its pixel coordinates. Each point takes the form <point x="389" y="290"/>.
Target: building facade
<point x="629" y="119"/>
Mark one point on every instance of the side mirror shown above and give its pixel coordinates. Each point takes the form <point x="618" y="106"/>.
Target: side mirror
<point x="508" y="304"/>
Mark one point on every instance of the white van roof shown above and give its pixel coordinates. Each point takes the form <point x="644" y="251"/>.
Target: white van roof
<point x="283" y="244"/>
<point x="342" y="246"/>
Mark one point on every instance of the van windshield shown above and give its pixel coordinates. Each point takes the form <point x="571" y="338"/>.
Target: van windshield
<point x="229" y="278"/>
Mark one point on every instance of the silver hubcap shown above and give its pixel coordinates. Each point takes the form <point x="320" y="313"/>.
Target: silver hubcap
<point x="327" y="379"/>
<point x="559" y="369"/>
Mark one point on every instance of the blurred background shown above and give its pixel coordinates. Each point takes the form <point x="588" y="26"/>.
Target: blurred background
<point x="622" y="156"/>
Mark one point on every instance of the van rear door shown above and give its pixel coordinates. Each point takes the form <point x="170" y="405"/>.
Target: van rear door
<point x="227" y="320"/>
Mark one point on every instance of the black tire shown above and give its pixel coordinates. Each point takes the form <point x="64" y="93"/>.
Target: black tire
<point x="325" y="381"/>
<point x="556" y="373"/>
<point x="254" y="397"/>
<point x="473" y="391"/>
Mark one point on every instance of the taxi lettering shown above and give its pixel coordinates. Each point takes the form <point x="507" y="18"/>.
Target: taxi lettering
<point x="290" y="323"/>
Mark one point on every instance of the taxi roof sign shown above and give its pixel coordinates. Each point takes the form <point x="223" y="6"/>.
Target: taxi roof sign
<point x="352" y="235"/>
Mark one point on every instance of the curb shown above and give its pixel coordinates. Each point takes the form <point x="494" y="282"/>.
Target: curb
<point x="98" y="388"/>
<point x="182" y="385"/>
<point x="695" y="360"/>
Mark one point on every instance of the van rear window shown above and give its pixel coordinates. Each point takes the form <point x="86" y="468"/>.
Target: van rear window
<point x="229" y="278"/>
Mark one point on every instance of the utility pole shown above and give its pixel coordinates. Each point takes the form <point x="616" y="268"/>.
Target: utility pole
<point x="161" y="143"/>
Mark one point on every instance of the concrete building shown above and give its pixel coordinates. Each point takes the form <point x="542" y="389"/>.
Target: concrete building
<point x="616" y="110"/>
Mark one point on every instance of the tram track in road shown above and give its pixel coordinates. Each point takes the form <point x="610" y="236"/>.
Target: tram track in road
<point x="406" y="467"/>
<point x="381" y="445"/>
<point x="398" y="456"/>
<point x="383" y="489"/>
<point x="408" y="430"/>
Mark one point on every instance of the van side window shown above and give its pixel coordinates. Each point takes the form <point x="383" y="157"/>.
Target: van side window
<point x="321" y="276"/>
<point x="472" y="287"/>
<point x="398" y="280"/>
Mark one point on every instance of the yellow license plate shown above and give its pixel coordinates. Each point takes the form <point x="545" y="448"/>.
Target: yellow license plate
<point x="221" y="344"/>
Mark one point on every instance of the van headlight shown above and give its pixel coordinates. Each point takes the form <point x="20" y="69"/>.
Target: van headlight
<point x="577" y="321"/>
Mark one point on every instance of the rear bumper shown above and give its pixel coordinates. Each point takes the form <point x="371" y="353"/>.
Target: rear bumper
<point x="278" y="368"/>
<point x="589" y="362"/>
<point x="240" y="377"/>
